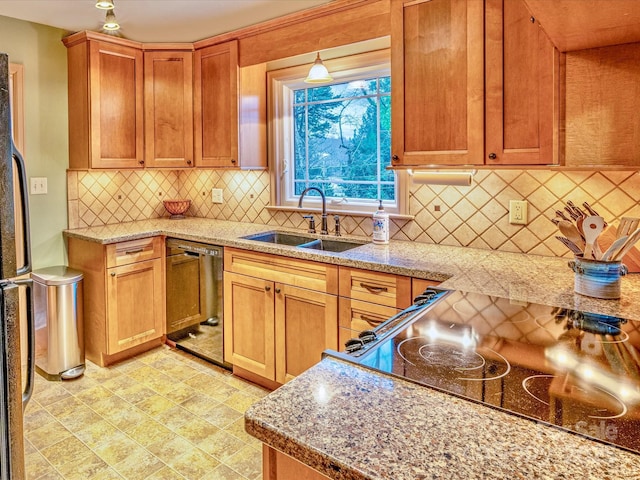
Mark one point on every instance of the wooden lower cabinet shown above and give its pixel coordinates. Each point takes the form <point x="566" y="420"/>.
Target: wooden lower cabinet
<point x="135" y="304"/>
<point x="275" y="330"/>
<point x="123" y="296"/>
<point x="279" y="466"/>
<point x="357" y="316"/>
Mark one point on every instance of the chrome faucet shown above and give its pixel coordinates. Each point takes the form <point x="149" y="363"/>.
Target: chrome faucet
<point x="324" y="230"/>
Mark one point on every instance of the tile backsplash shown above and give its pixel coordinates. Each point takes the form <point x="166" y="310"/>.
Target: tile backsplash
<point x="475" y="216"/>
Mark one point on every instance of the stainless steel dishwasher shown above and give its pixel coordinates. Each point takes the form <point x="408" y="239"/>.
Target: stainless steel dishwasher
<point x="194" y="298"/>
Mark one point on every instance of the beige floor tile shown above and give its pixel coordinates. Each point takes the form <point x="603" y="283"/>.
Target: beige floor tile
<point x="65" y="451"/>
<point x="117" y="448"/>
<point x="108" y="474"/>
<point x="247" y="462"/>
<point x="95" y="394"/>
<point x="36" y="466"/>
<point x="222" y="472"/>
<point x="181" y="393"/>
<point x="47" y="435"/>
<point x="199" y="403"/>
<point x="170" y="450"/>
<point x="237" y="429"/>
<point x="222" y="445"/>
<point x="77" y="419"/>
<point x="36" y="416"/>
<point x="221" y="415"/>
<point x="197" y="431"/>
<point x="150" y="432"/>
<point x="96" y="433"/>
<point x="82" y="468"/>
<point x="155" y="405"/>
<point x="194" y="464"/>
<point x="139" y="466"/>
<point x="240" y="401"/>
<point x="50" y="392"/>
<point x="166" y="473"/>
<point x="175" y="417"/>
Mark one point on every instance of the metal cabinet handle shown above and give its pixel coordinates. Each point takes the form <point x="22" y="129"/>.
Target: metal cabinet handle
<point x="372" y="321"/>
<point x="373" y="288"/>
<point x="133" y="252"/>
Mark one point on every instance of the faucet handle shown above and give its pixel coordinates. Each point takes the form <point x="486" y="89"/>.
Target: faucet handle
<point x="312" y="223"/>
<point x="337" y="229"/>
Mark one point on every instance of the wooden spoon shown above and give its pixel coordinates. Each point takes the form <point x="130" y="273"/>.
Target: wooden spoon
<point x="613" y="248"/>
<point x="570" y="231"/>
<point x="592" y="226"/>
<point x="628" y="245"/>
<point x="627" y="226"/>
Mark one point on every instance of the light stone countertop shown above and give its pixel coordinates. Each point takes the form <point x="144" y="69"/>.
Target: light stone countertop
<point x="517" y="276"/>
<point x="353" y="423"/>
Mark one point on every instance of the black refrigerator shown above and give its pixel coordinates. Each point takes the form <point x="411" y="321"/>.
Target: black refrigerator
<point x="15" y="256"/>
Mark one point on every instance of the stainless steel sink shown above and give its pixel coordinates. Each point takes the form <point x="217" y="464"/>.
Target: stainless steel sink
<point x="280" y="238"/>
<point x="330" y="245"/>
<point x="303" y="241"/>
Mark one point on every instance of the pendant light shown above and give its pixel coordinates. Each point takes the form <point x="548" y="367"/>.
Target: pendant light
<point x="110" y="22"/>
<point x="318" y="72"/>
<point x="105" y="5"/>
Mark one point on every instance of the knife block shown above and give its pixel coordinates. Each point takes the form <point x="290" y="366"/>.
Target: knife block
<point x="631" y="259"/>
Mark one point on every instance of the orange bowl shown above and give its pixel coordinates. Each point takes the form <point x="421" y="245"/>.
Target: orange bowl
<point x="176" y="207"/>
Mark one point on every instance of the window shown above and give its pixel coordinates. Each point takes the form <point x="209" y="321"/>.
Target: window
<point x="336" y="137"/>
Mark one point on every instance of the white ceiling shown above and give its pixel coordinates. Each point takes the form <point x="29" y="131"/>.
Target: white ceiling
<point x="156" y="20"/>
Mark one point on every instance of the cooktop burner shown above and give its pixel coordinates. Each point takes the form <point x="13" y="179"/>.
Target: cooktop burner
<point x="577" y="370"/>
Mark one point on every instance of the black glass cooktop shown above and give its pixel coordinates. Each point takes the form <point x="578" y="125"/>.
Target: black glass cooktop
<point x="573" y="369"/>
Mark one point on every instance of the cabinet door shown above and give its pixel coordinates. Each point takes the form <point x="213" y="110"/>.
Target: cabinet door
<point x="216" y="105"/>
<point x="116" y="106"/>
<point x="306" y="325"/>
<point x="249" y="324"/>
<point x="168" y="105"/>
<point x="521" y="87"/>
<point x="437" y="66"/>
<point x="135" y="304"/>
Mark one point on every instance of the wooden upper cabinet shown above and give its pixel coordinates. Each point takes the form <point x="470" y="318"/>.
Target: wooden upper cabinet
<point x="168" y="98"/>
<point x="438" y="83"/>
<point x="216" y="105"/>
<point x="105" y="104"/>
<point x="522" y="82"/>
<point x="475" y="82"/>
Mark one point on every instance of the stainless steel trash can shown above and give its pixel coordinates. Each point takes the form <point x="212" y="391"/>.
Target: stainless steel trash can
<point x="57" y="296"/>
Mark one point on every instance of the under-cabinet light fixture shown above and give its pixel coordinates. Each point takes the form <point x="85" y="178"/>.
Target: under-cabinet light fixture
<point x="110" y="22"/>
<point x="105" y="5"/>
<point x="454" y="178"/>
<point x="318" y="72"/>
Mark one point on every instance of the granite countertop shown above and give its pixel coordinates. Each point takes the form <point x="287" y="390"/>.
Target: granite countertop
<point x="351" y="423"/>
<point x="521" y="277"/>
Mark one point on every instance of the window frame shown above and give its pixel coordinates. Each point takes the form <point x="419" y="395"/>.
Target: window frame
<point x="280" y="132"/>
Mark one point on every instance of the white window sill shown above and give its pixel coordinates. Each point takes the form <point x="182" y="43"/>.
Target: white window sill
<point x="351" y="213"/>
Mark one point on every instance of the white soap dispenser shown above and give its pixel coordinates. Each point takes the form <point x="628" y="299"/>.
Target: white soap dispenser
<point x="380" y="225"/>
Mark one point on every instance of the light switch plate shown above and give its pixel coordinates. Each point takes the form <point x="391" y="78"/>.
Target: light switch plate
<point x="518" y="212"/>
<point x="38" y="185"/>
<point x="216" y="195"/>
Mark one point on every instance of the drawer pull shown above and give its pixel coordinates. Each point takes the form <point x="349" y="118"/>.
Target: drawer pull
<point x="372" y="321"/>
<point x="133" y="252"/>
<point x="373" y="288"/>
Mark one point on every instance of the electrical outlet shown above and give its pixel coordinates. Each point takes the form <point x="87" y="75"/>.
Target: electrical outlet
<point x="518" y="212"/>
<point x="216" y="195"/>
<point x="38" y="185"/>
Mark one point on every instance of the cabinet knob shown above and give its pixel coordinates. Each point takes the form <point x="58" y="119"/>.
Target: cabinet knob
<point x="492" y="156"/>
<point x="278" y="290"/>
<point x="533" y="19"/>
<point x="188" y="162"/>
<point x="233" y="160"/>
<point x="395" y="158"/>
<point x="113" y="274"/>
<point x="267" y="288"/>
<point x="141" y="162"/>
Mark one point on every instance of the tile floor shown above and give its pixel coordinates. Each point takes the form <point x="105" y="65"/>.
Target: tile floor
<point x="161" y="415"/>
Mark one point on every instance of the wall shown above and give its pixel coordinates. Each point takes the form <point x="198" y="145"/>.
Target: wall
<point x="40" y="50"/>
<point x="475" y="216"/>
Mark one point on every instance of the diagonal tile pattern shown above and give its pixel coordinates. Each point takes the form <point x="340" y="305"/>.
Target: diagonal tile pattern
<point x="162" y="415"/>
<point x="475" y="216"/>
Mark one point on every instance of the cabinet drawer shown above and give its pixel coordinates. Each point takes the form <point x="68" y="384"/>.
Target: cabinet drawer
<point x="125" y="253"/>
<point x="358" y="315"/>
<point x="375" y="287"/>
<point x="290" y="271"/>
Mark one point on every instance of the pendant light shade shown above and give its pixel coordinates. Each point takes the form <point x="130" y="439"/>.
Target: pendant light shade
<point x="110" y="23"/>
<point x="318" y="72"/>
<point x="105" y="4"/>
